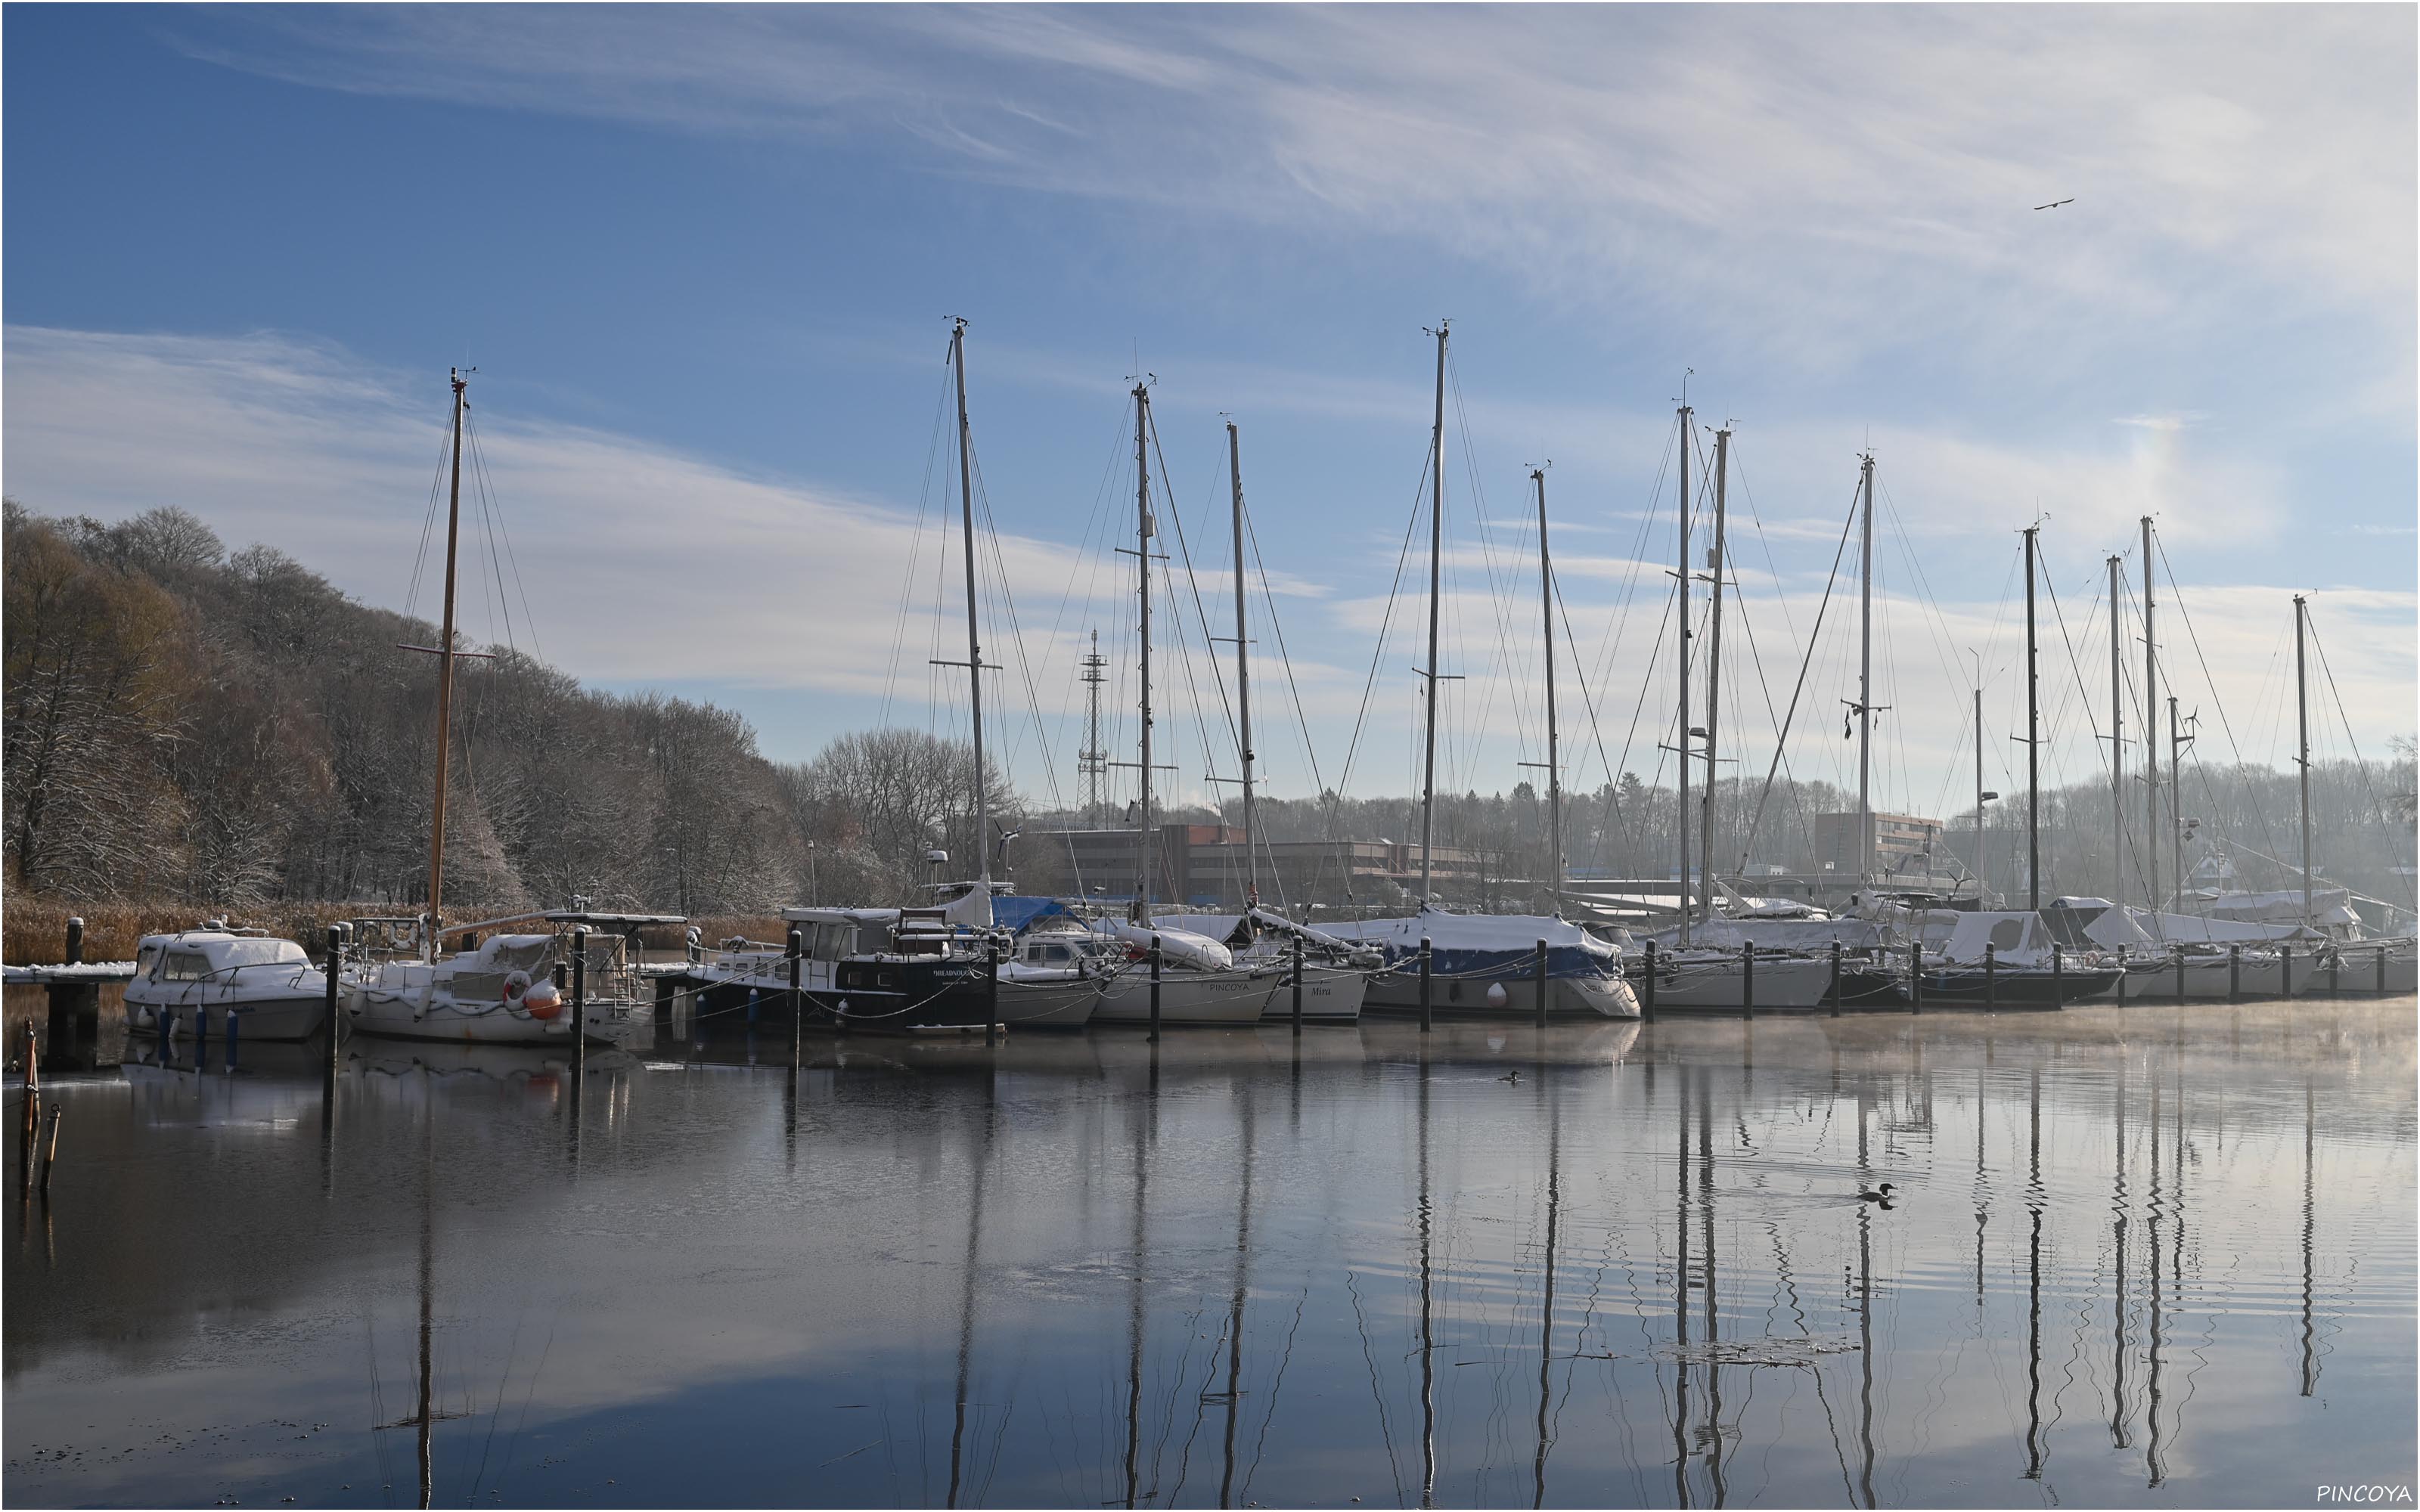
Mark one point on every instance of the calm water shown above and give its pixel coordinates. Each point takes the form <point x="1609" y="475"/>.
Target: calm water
<point x="2149" y="1256"/>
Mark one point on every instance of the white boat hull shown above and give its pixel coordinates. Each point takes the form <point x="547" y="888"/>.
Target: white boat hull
<point x="283" y="1015"/>
<point x="413" y="1016"/>
<point x="1715" y="983"/>
<point x="1598" y="996"/>
<point x="1186" y="998"/>
<point x="1331" y="995"/>
<point x="2206" y="976"/>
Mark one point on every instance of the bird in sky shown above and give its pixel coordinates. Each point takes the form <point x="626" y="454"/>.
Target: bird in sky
<point x="2057" y="203"/>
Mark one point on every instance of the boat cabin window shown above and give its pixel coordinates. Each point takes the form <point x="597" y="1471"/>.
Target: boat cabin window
<point x="185" y="966"/>
<point x="144" y="959"/>
<point x="2008" y="934"/>
<point x="264" y="953"/>
<point x="1051" y="955"/>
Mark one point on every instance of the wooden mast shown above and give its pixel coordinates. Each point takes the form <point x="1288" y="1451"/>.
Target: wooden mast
<point x="445" y="680"/>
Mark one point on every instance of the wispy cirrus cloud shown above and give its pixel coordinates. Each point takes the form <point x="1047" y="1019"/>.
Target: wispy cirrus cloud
<point x="1823" y="186"/>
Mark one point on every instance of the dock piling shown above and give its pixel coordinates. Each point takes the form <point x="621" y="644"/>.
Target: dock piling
<point x="1154" y="988"/>
<point x="2335" y="972"/>
<point x="579" y="1016"/>
<point x="51" y="1151"/>
<point x="1541" y="985"/>
<point x="2180" y="973"/>
<point x="2234" y="972"/>
<point x="1831" y="994"/>
<point x="29" y="1125"/>
<point x="2286" y="971"/>
<point x="1298" y="986"/>
<point x="74" y="956"/>
<point x="798" y="946"/>
<point x="1991" y="977"/>
<point x="1427" y="984"/>
<point x="991" y="995"/>
<point x="1915" y="976"/>
<point x="1747" y="979"/>
<point x="2380" y="954"/>
<point x="1647" y="1000"/>
<point x="2058" y="975"/>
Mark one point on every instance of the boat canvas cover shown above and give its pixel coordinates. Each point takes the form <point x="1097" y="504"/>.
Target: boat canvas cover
<point x="1814" y="935"/>
<point x="1180" y="946"/>
<point x="2016" y="939"/>
<point x="1473" y="931"/>
<point x="1227" y="929"/>
<point x="1017" y="911"/>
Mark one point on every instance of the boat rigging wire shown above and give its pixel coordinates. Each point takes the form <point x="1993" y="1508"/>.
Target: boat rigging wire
<point x="2360" y="765"/>
<point x="1813" y="636"/>
<point x="915" y="546"/>
<point x="2242" y="781"/>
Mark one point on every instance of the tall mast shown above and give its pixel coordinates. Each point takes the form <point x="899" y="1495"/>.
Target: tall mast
<point x="2151" y="736"/>
<point x="1142" y="574"/>
<point x="2033" y="738"/>
<point x="2117" y="731"/>
<point x="975" y="647"/>
<point x="1554" y="768"/>
<point x="2303" y="756"/>
<point x="1681" y="642"/>
<point x="1243" y="672"/>
<point x="1714" y="667"/>
<point x="1866" y="678"/>
<point x="445" y="679"/>
<point x="1436" y="551"/>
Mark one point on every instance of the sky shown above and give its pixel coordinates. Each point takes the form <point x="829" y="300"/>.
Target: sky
<point x="704" y="263"/>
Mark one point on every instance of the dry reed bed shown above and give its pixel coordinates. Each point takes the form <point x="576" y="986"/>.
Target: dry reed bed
<point x="33" y="931"/>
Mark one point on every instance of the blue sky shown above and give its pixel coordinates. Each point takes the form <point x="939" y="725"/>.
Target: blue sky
<point x="704" y="259"/>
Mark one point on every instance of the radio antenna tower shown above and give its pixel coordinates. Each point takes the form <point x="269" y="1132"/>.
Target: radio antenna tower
<point x="1092" y="762"/>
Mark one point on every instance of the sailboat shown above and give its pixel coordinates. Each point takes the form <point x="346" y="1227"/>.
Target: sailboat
<point x="505" y="985"/>
<point x="1477" y="962"/>
<point x="947" y="965"/>
<point x="1198" y="980"/>
<point x="1335" y="972"/>
<point x="1700" y="973"/>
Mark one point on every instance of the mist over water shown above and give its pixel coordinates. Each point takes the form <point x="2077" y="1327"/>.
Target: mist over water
<point x="2138" y="1256"/>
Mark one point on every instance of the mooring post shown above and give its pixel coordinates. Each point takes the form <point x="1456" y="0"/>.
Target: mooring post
<point x="2180" y="973"/>
<point x="1154" y="988"/>
<point x="1831" y="994"/>
<point x="2058" y="975"/>
<point x="1298" y="986"/>
<point x="2380" y="954"/>
<point x="2335" y="972"/>
<point x="2234" y="972"/>
<point x="1541" y="985"/>
<point x="234" y="1036"/>
<point x="1747" y="979"/>
<point x="2285" y="971"/>
<point x="579" y="1016"/>
<point x="798" y="944"/>
<point x="1646" y="1001"/>
<point x="991" y="994"/>
<point x="75" y="942"/>
<point x="29" y="1126"/>
<point x="1991" y="976"/>
<point x="201" y="1035"/>
<point x="51" y="1153"/>
<point x="332" y="994"/>
<point x="1427" y="984"/>
<point x="1915" y="976"/>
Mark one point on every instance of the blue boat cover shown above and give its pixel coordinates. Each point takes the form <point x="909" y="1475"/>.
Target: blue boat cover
<point x="1019" y="912"/>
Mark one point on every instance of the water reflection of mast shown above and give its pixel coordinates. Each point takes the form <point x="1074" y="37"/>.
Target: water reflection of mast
<point x="1134" y="1318"/>
<point x="2310" y="1359"/>
<point x="1235" y="1305"/>
<point x="1713" y="1334"/>
<point x="2117" y="1408"/>
<point x="967" y="1299"/>
<point x="1547" y="1307"/>
<point x="1864" y="1301"/>
<point x="1680" y="1314"/>
<point x="1428" y="1333"/>
<point x="2033" y="1294"/>
<point x="2152" y="1465"/>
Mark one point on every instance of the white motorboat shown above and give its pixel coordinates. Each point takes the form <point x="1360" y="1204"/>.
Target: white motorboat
<point x="208" y="977"/>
